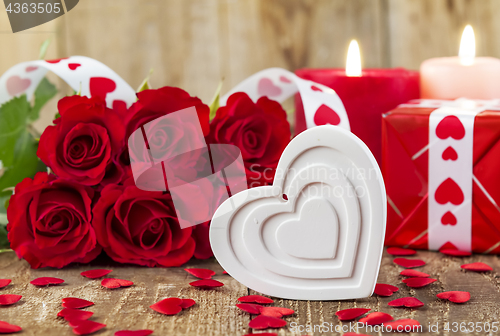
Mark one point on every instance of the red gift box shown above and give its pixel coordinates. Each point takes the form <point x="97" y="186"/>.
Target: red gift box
<point x="405" y="166"/>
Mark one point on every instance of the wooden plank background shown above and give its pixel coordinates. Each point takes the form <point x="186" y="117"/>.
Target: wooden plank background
<point x="193" y="44"/>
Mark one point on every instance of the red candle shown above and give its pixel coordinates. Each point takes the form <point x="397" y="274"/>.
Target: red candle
<point x="366" y="97"/>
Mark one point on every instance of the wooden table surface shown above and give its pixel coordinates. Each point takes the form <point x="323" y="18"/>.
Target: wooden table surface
<point x="215" y="312"/>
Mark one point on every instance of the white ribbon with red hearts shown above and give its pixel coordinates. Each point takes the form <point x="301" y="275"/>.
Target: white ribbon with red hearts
<point x="322" y="105"/>
<point x="83" y="74"/>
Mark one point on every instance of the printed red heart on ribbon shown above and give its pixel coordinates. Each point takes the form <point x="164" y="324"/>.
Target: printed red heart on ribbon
<point x="449" y="154"/>
<point x="325" y="115"/>
<point x="267" y="88"/>
<point x="449" y="191"/>
<point x="315" y="88"/>
<point x="285" y="80"/>
<point x="16" y="85"/>
<point x="448" y="219"/>
<point x="101" y="86"/>
<point x="73" y="66"/>
<point x="31" y="68"/>
<point x="450" y="126"/>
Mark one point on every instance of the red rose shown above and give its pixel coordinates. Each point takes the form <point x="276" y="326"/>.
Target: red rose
<point x="140" y="227"/>
<point x="260" y="130"/>
<point x="49" y="222"/>
<point x="84" y="143"/>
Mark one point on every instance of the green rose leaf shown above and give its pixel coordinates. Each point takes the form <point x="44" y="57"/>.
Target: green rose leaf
<point x="214" y="105"/>
<point x="43" y="93"/>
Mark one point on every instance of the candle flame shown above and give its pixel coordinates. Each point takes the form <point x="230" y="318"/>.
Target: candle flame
<point x="353" y="63"/>
<point x="467" y="50"/>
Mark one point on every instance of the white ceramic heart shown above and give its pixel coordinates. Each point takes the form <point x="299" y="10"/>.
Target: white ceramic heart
<point x="279" y="246"/>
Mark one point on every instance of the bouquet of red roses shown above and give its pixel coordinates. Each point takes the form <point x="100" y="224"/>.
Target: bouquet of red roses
<point x="88" y="203"/>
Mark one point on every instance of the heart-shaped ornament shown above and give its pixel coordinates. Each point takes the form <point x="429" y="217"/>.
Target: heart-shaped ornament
<point x="324" y="240"/>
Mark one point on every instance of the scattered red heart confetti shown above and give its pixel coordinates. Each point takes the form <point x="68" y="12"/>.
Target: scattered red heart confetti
<point x="276" y="311"/>
<point x="403" y="325"/>
<point x="201" y="273"/>
<point x="376" y="318"/>
<point x="46" y="281"/>
<point x="264" y="334"/>
<point x="76" y="303"/>
<point x="399" y="251"/>
<point x="95" y="273"/>
<point x="4" y="282"/>
<point x="477" y="267"/>
<point x="418" y="282"/>
<point x="264" y="322"/>
<point x="144" y="332"/>
<point x="225" y="272"/>
<point x="251" y="308"/>
<point x="354" y="334"/>
<point x="85" y="327"/>
<point x="351" y="313"/>
<point x="7" y="328"/>
<point x="408" y="302"/>
<point x="170" y="306"/>
<point x="206" y="284"/>
<point x="256" y="299"/>
<point x="409" y="263"/>
<point x="186" y="303"/>
<point x="455" y="296"/>
<point x="70" y="314"/>
<point x="455" y="253"/>
<point x="115" y="283"/>
<point x="385" y="290"/>
<point x="9" y="299"/>
<point x="413" y="273"/>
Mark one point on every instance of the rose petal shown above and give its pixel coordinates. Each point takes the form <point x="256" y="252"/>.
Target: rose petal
<point x="46" y="281"/>
<point x="256" y="299"/>
<point x="276" y="311"/>
<point x="376" y="318"/>
<point x="351" y="313"/>
<point x="409" y="263"/>
<point x="418" y="282"/>
<point x="414" y="273"/>
<point x="201" y="273"/>
<point x="477" y="267"/>
<point x="170" y="306"/>
<point x="70" y="314"/>
<point x="399" y="251"/>
<point x="96" y="273"/>
<point x="186" y="303"/>
<point x="206" y="284"/>
<point x="455" y="253"/>
<point x="385" y="290"/>
<point x="409" y="302"/>
<point x="263" y="322"/>
<point x="9" y="299"/>
<point x="144" y="332"/>
<point x="115" y="283"/>
<point x="76" y="303"/>
<point x="85" y="327"/>
<point x="7" y="328"/>
<point x="403" y="325"/>
<point x="4" y="282"/>
<point x="455" y="296"/>
<point x="251" y="308"/>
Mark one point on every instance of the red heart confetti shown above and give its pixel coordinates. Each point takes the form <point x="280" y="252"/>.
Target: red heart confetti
<point x="115" y="283"/>
<point x="407" y="325"/>
<point x="73" y="66"/>
<point x="385" y="290"/>
<point x="95" y="273"/>
<point x="477" y="267"/>
<point x="325" y="115"/>
<point x="267" y="88"/>
<point x="16" y="85"/>
<point x="4" y="282"/>
<point x="172" y="306"/>
<point x="450" y="126"/>
<point x="315" y="88"/>
<point x="46" y="281"/>
<point x="408" y="302"/>
<point x="70" y="314"/>
<point x="9" y="299"/>
<point x="263" y="322"/>
<point x="414" y="273"/>
<point x="76" y="303"/>
<point x="255" y="299"/>
<point x="354" y="334"/>
<point x="376" y="318"/>
<point x="449" y="191"/>
<point x="455" y="296"/>
<point x="409" y="263"/>
<point x="351" y="313"/>
<point x="85" y="327"/>
<point x="399" y="251"/>
<point x="449" y="219"/>
<point x="455" y="253"/>
<point x="251" y="308"/>
<point x="201" y="273"/>
<point x="7" y="328"/>
<point x="276" y="311"/>
<point x="225" y="272"/>
<point x="144" y="332"/>
<point x="418" y="282"/>
<point x="206" y="284"/>
<point x="449" y="154"/>
<point x="263" y="334"/>
<point x="186" y="303"/>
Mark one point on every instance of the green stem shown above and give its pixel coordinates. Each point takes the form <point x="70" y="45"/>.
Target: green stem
<point x="6" y="250"/>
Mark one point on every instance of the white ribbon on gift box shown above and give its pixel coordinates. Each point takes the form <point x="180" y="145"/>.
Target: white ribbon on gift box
<point x="460" y="170"/>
